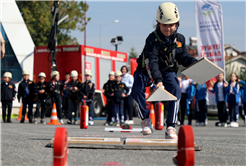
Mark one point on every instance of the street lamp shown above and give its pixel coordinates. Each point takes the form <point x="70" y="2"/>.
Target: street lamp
<point x="116" y="41"/>
<point x="115" y="21"/>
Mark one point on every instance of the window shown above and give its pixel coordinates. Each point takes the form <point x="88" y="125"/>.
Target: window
<point x="10" y="63"/>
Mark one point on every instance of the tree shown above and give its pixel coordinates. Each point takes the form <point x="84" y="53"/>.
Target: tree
<point x="38" y="18"/>
<point x="132" y="53"/>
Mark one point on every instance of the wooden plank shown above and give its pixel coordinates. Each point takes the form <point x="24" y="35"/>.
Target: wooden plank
<point x="202" y="71"/>
<point x="161" y="94"/>
<point x="151" y="142"/>
<point x="120" y="129"/>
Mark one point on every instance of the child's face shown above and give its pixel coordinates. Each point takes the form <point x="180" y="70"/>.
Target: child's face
<point x="118" y="78"/>
<point x="41" y="79"/>
<point x="233" y="77"/>
<point x="6" y="79"/>
<point x="67" y="76"/>
<point x="57" y="77"/>
<point x="26" y="77"/>
<point x="111" y="77"/>
<point x="167" y="29"/>
<point x="87" y="77"/>
<point x="74" y="78"/>
<point x="221" y="77"/>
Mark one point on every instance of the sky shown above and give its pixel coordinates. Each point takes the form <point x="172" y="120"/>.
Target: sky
<point x="136" y="21"/>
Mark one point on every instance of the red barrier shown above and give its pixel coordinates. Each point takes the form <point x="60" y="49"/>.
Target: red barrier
<point x="60" y="147"/>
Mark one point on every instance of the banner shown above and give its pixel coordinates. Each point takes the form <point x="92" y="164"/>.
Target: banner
<point x="210" y="35"/>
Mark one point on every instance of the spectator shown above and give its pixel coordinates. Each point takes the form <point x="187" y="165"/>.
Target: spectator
<point x="26" y="94"/>
<point x="127" y="79"/>
<point x="233" y="100"/>
<point x="201" y="95"/>
<point x="87" y="93"/>
<point x="120" y="91"/>
<point x="65" y="96"/>
<point x="244" y="98"/>
<point x="108" y="91"/>
<point x="74" y="87"/>
<point x="219" y="89"/>
<point x="240" y="105"/>
<point x="184" y="85"/>
<point x="8" y="92"/>
<point x="56" y="87"/>
<point x="41" y="93"/>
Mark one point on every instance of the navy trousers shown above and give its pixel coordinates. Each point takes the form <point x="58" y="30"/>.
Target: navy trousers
<point x="119" y="111"/>
<point x="91" y="113"/>
<point x="6" y="104"/>
<point x="233" y="106"/>
<point x="58" y="101"/>
<point x="27" y="101"/>
<point x="73" y="107"/>
<point x="171" y="84"/>
<point x="42" y="104"/>
<point x="109" y="111"/>
<point x="128" y="107"/>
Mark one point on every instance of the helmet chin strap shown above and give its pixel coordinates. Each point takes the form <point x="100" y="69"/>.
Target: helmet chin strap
<point x="177" y="27"/>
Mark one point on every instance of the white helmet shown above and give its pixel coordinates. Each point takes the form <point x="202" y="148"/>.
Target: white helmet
<point x="167" y="13"/>
<point x="42" y="74"/>
<point x="74" y="73"/>
<point x="111" y="73"/>
<point x="118" y="73"/>
<point x="54" y="73"/>
<point x="88" y="73"/>
<point x="25" y="72"/>
<point x="7" y="74"/>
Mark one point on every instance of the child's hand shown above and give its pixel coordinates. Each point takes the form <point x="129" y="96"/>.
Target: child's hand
<point x="41" y="91"/>
<point x="112" y="94"/>
<point x="159" y="84"/>
<point x="103" y="91"/>
<point x="85" y="97"/>
<point x="210" y="88"/>
<point x="123" y="95"/>
<point x="75" y="88"/>
<point x="225" y="84"/>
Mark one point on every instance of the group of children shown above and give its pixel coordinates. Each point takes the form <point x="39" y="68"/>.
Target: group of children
<point x="225" y="92"/>
<point x="115" y="91"/>
<point x="29" y="93"/>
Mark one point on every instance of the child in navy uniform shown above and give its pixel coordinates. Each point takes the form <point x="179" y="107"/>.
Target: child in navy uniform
<point x="87" y="93"/>
<point x="41" y="96"/>
<point x="8" y="92"/>
<point x="108" y="91"/>
<point x="233" y="100"/>
<point x="158" y="63"/>
<point x="219" y="89"/>
<point x="26" y="93"/>
<point x="73" y="87"/>
<point x="120" y="91"/>
<point x="55" y="89"/>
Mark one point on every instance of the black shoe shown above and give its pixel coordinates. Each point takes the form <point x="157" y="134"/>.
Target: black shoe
<point x="69" y="122"/>
<point x="30" y="121"/>
<point x="9" y="121"/>
<point x="4" y="121"/>
<point x="22" y="121"/>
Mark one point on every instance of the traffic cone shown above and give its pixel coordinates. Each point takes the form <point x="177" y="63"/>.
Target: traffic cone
<point x="152" y="114"/>
<point x="20" y="113"/>
<point x="53" y="119"/>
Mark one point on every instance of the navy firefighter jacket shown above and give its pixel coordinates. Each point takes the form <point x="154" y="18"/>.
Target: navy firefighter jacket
<point x="161" y="54"/>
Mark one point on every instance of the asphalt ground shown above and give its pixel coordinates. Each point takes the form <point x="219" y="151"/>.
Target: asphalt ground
<point x="24" y="144"/>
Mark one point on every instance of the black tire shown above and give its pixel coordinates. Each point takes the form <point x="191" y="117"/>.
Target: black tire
<point x="97" y="106"/>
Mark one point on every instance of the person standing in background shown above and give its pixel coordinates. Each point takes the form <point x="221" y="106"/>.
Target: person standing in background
<point x="2" y="45"/>
<point x="183" y="102"/>
<point x="65" y="96"/>
<point x="127" y="79"/>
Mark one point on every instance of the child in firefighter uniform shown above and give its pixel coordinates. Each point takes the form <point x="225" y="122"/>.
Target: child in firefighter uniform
<point x="87" y="93"/>
<point x="8" y="92"/>
<point x="158" y="64"/>
<point x="55" y="90"/>
<point x="120" y="91"/>
<point x="41" y="93"/>
<point x="26" y="94"/>
<point x="73" y="87"/>
<point x="108" y="91"/>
